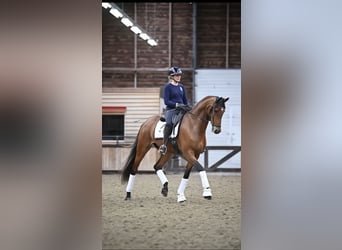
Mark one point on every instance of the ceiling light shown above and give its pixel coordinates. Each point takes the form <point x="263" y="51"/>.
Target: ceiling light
<point x="144" y="36"/>
<point x="126" y="22"/>
<point x="116" y="13"/>
<point x="135" y="29"/>
<point x="152" y="42"/>
<point x="106" y="5"/>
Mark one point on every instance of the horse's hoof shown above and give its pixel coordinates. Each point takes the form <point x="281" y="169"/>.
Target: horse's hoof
<point x="128" y="196"/>
<point x="164" y="192"/>
<point x="165" y="189"/>
<point x="207" y="193"/>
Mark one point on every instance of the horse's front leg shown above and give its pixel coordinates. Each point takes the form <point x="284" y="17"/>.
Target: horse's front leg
<point x="203" y="174"/>
<point x="182" y="185"/>
<point x="204" y="179"/>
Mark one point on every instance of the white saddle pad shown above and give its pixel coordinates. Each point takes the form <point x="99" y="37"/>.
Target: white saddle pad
<point x="159" y="130"/>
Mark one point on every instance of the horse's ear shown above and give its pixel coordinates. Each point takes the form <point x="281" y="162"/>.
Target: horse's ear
<point x="226" y="99"/>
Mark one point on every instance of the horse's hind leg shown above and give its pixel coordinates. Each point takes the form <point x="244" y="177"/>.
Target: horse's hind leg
<point x="160" y="173"/>
<point x="129" y="186"/>
<point x="138" y="158"/>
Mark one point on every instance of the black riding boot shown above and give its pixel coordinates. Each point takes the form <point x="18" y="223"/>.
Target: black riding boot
<point x="167" y="133"/>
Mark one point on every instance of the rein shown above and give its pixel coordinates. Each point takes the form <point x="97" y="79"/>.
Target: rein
<point x="206" y="120"/>
<point x="219" y="100"/>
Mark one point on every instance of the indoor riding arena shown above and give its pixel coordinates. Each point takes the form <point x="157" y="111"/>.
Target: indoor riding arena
<point x="204" y="41"/>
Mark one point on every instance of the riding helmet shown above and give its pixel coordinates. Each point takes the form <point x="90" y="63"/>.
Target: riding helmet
<point x="175" y="71"/>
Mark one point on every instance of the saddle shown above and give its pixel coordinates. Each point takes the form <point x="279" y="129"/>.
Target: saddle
<point x="176" y="121"/>
<point x="176" y="118"/>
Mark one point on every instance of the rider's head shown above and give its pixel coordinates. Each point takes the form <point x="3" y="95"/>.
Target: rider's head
<point x="175" y="73"/>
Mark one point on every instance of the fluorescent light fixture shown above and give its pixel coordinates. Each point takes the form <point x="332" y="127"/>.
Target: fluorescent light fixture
<point x="152" y="42"/>
<point x="144" y="36"/>
<point x="126" y="22"/>
<point x="116" y="13"/>
<point x="135" y="29"/>
<point x="106" y="5"/>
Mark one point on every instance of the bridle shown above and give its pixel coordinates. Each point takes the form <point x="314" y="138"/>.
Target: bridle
<point x="211" y="116"/>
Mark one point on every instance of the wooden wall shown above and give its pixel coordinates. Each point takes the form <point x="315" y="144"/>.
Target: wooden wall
<point x="141" y="103"/>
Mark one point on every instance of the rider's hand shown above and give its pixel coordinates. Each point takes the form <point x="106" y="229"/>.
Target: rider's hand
<point x="183" y="107"/>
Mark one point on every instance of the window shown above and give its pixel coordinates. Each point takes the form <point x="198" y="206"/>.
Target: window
<point x="113" y="123"/>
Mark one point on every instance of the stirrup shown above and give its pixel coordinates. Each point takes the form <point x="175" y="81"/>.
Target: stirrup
<point x="162" y="149"/>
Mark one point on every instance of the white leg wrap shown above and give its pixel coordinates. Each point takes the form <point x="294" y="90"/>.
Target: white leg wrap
<point x="181" y="197"/>
<point x="181" y="189"/>
<point x="182" y="186"/>
<point x="162" y="176"/>
<point x="130" y="183"/>
<point x="204" y="179"/>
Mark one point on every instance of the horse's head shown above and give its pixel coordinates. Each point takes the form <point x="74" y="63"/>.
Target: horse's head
<point x="216" y="112"/>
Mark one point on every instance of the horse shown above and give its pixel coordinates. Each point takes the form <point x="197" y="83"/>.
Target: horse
<point x="190" y="143"/>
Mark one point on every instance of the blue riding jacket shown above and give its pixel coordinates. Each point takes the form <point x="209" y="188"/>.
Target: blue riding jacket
<point x="173" y="94"/>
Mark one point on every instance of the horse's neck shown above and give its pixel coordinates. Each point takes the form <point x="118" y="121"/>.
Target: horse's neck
<point x="200" y="117"/>
<point x="202" y="109"/>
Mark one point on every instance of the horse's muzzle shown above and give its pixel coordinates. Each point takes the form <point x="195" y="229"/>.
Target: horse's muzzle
<point x="216" y="129"/>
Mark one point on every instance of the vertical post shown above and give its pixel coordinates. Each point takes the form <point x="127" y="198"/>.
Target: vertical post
<point x="194" y="49"/>
<point x="227" y="37"/>
<point x="135" y="49"/>
<point x="170" y="34"/>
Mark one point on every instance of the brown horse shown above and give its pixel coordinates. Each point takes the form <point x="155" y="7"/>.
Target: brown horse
<point x="191" y="142"/>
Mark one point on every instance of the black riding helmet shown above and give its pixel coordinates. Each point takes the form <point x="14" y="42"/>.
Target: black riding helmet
<point x="175" y="71"/>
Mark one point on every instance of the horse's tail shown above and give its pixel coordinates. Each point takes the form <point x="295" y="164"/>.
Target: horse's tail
<point x="126" y="170"/>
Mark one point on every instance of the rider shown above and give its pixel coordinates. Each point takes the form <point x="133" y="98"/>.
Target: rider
<point x="175" y="99"/>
